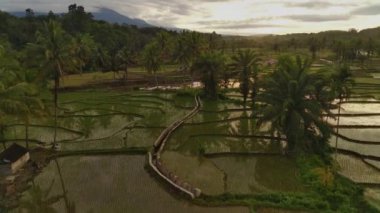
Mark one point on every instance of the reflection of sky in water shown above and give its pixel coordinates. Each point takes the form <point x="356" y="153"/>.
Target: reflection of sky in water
<point x="357" y="170"/>
<point x="352" y="167"/>
<point x="364" y="149"/>
<point x="368" y="120"/>
<point x="115" y="184"/>
<point x="360" y="108"/>
<point x="375" y="75"/>
<point x="240" y="175"/>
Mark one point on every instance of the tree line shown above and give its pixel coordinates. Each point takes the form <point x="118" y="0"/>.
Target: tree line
<point x="290" y="97"/>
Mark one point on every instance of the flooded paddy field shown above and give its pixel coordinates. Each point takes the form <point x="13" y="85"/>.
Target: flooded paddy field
<point x="217" y="150"/>
<point x="360" y="137"/>
<point x="109" y="184"/>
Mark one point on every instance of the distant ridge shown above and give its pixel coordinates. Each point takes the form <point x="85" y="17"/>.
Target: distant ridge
<point x="104" y="14"/>
<point x="112" y="16"/>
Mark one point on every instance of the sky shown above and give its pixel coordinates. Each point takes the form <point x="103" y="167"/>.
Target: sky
<point x="235" y="17"/>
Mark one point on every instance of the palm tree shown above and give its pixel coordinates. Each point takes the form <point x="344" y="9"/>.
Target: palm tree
<point x="82" y="48"/>
<point x="53" y="43"/>
<point x="9" y="104"/>
<point x="162" y="39"/>
<point x="152" y="59"/>
<point x="189" y="46"/>
<point x="18" y="98"/>
<point x="313" y="47"/>
<point x="247" y="62"/>
<point x="126" y="58"/>
<point x="341" y="86"/>
<point x="35" y="107"/>
<point x="291" y="108"/>
<point x="21" y="100"/>
<point x="209" y="65"/>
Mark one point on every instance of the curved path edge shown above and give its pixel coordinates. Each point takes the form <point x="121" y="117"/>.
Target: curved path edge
<point x="158" y="146"/>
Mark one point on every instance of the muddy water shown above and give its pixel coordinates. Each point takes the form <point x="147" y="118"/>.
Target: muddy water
<point x="112" y="184"/>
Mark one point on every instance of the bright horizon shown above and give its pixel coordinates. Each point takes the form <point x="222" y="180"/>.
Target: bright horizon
<point x="244" y="17"/>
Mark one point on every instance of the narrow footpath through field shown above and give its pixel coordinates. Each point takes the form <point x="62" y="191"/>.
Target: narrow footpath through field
<point x="158" y="146"/>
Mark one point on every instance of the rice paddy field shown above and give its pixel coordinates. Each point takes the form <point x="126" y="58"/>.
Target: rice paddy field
<point x="217" y="151"/>
<point x="360" y="134"/>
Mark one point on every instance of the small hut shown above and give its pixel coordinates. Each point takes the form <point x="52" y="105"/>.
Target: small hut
<point x="12" y="159"/>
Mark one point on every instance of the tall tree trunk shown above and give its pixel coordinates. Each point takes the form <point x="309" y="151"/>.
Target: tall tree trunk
<point x="337" y="129"/>
<point x="63" y="187"/>
<point x="27" y="133"/>
<point x="254" y="93"/>
<point x="155" y="78"/>
<point x="55" y="108"/>
<point x="125" y="74"/>
<point x="2" y="136"/>
<point x="56" y="85"/>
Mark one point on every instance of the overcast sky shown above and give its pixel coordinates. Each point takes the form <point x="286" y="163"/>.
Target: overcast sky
<point x="244" y="17"/>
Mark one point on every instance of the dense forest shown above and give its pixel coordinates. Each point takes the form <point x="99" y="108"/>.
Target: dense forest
<point x="350" y="45"/>
<point x="101" y="45"/>
<point x="288" y="104"/>
<point x="104" y="46"/>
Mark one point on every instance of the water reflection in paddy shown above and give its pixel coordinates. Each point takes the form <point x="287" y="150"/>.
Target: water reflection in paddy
<point x="363" y="149"/>
<point x="362" y="134"/>
<point x="355" y="169"/>
<point x="241" y="175"/>
<point x="113" y="184"/>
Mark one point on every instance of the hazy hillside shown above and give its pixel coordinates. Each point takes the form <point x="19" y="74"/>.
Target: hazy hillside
<point x="104" y="14"/>
<point x="112" y="16"/>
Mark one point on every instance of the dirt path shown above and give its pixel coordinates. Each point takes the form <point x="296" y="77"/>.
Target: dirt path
<point x="160" y="169"/>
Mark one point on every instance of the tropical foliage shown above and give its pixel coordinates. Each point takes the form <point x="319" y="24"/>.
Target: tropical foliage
<point x="247" y="63"/>
<point x="209" y="66"/>
<point x="291" y="108"/>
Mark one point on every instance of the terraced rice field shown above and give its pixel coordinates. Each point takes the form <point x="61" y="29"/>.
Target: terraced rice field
<point x="361" y="136"/>
<point x="217" y="150"/>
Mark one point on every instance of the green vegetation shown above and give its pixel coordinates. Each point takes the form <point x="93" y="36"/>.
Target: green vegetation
<point x="275" y="153"/>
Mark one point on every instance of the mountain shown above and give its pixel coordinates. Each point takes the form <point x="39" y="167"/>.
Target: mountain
<point x="104" y="14"/>
<point x="112" y="16"/>
<point x="22" y="13"/>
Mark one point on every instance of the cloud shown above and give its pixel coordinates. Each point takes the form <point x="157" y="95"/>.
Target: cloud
<point x="245" y="26"/>
<point x="318" y="18"/>
<point x="241" y="24"/>
<point x="310" y="4"/>
<point x="368" y="10"/>
<point x="317" y="4"/>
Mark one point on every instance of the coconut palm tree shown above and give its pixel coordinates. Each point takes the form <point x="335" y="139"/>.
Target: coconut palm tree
<point x="291" y="108"/>
<point x="8" y="105"/>
<point x="82" y="48"/>
<point x="189" y="46"/>
<point x="152" y="59"/>
<point x="247" y="63"/>
<point x="126" y="58"/>
<point x="52" y="42"/>
<point x="341" y="86"/>
<point x="162" y="39"/>
<point x="209" y="65"/>
<point x="20" y="99"/>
